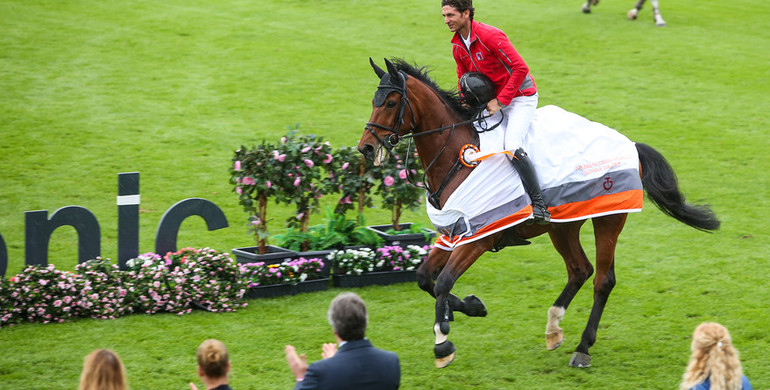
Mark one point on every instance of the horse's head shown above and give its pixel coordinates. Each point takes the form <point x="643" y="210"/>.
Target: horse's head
<point x="386" y="124"/>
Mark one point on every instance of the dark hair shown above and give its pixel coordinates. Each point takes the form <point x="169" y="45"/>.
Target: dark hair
<point x="213" y="358"/>
<point x="460" y="5"/>
<point x="348" y="317"/>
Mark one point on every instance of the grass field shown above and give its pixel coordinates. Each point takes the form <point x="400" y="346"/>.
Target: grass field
<point x="170" y="89"/>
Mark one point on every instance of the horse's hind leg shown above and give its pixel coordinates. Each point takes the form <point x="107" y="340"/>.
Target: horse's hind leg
<point x="656" y="14"/>
<point x="566" y="240"/>
<point x="471" y="305"/>
<point x="606" y="232"/>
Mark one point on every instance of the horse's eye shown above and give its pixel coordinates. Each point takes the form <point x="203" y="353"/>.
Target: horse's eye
<point x="391" y="104"/>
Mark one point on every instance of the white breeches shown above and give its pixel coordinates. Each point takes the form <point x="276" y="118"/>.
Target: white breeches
<point x="518" y="115"/>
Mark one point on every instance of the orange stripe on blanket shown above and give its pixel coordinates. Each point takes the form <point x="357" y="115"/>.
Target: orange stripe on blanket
<point x="626" y="200"/>
<point x="508" y="221"/>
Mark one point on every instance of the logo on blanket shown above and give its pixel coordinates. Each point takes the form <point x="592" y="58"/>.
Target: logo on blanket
<point x="607" y="183"/>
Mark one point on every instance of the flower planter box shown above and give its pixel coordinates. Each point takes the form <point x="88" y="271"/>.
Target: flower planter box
<point x="403" y="240"/>
<point x="274" y="254"/>
<point x="276" y="290"/>
<point x="320" y="254"/>
<point x="382" y="278"/>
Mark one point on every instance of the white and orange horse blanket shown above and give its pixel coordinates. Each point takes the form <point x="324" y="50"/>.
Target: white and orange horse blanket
<point x="585" y="169"/>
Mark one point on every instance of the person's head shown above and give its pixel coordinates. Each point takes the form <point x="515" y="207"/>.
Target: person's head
<point x="103" y="370"/>
<point x="213" y="360"/>
<point x="348" y="317"/>
<point x="714" y="357"/>
<point x="458" y="14"/>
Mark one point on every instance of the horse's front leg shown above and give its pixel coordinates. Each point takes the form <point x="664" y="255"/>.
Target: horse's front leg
<point x="471" y="305"/>
<point x="459" y="261"/>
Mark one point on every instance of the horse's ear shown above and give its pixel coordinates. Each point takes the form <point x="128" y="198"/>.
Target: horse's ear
<point x="377" y="70"/>
<point x="391" y="69"/>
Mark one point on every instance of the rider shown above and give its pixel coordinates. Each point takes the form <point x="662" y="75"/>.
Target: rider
<point x="479" y="47"/>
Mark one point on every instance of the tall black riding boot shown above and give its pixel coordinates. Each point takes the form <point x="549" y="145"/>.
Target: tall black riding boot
<point x="528" y="176"/>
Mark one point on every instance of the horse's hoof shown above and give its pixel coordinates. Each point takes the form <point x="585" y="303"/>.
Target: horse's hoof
<point x="554" y="340"/>
<point x="443" y="362"/>
<point x="632" y="14"/>
<point x="445" y="353"/>
<point x="580" y="360"/>
<point x="586" y="9"/>
<point x="474" y="307"/>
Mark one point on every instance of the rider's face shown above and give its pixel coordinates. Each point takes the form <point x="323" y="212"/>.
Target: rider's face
<point x="455" y="19"/>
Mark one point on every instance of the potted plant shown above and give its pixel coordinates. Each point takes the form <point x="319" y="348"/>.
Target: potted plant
<point x="286" y="278"/>
<point x="383" y="266"/>
<point x="399" y="188"/>
<point x="251" y="175"/>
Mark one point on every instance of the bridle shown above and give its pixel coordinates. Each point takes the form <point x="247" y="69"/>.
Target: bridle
<point x="392" y="140"/>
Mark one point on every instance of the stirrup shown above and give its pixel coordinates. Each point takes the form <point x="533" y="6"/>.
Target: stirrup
<point x="541" y="215"/>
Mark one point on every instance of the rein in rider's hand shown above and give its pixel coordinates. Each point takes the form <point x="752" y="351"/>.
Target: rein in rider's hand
<point x="494" y="106"/>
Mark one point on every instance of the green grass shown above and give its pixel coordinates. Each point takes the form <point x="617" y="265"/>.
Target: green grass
<point x="91" y="89"/>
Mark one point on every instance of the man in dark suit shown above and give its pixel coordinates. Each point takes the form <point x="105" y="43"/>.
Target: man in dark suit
<point x="357" y="364"/>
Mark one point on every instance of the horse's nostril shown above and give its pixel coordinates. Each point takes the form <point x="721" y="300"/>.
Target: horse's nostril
<point x="367" y="150"/>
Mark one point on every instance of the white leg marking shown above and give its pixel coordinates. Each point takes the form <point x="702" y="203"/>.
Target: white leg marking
<point x="440" y="337"/>
<point x="555" y="315"/>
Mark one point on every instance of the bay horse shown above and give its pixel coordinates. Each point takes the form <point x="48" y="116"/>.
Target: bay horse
<point x="633" y="13"/>
<point x="408" y="104"/>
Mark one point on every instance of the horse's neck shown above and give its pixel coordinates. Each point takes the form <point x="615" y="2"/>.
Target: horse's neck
<point x="439" y="151"/>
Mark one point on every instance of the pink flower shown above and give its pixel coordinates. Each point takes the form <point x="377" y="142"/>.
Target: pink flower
<point x="347" y="200"/>
<point x="297" y="181"/>
<point x="345" y="166"/>
<point x="388" y="181"/>
<point x="248" y="181"/>
<point x="14" y="279"/>
<point x="305" y="149"/>
<point x="57" y="303"/>
<point x="238" y="190"/>
<point x="281" y="157"/>
<point x="402" y="174"/>
<point x="283" y="140"/>
<point x="268" y="184"/>
<point x="300" y="215"/>
<point x="328" y="159"/>
<point x="256" y="222"/>
<point x="237" y="165"/>
<point x="309" y="163"/>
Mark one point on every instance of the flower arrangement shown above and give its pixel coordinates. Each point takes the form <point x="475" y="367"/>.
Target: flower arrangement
<point x="395" y="184"/>
<point x="45" y="294"/>
<point x="155" y="286"/>
<point x="103" y="293"/>
<point x="213" y="281"/>
<point x="250" y="174"/>
<point x="387" y="258"/>
<point x="396" y="258"/>
<point x="291" y="172"/>
<point x="178" y="282"/>
<point x="353" y="177"/>
<point x="287" y="272"/>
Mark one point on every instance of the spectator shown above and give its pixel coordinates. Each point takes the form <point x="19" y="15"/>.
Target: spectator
<point x="213" y="365"/>
<point x="357" y="364"/>
<point x="103" y="370"/>
<point x="714" y="363"/>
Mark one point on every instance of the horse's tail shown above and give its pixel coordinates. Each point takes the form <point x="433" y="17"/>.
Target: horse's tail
<point x="662" y="188"/>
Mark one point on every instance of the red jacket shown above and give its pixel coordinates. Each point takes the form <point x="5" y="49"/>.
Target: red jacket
<point x="493" y="55"/>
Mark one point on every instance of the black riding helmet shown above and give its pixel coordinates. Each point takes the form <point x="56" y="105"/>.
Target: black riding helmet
<point x="477" y="89"/>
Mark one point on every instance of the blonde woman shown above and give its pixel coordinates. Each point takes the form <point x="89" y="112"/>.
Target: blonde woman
<point x="714" y="363"/>
<point x="103" y="370"/>
<point x="213" y="365"/>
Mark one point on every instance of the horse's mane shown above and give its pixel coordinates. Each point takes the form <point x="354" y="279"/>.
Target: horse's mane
<point x="451" y="97"/>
